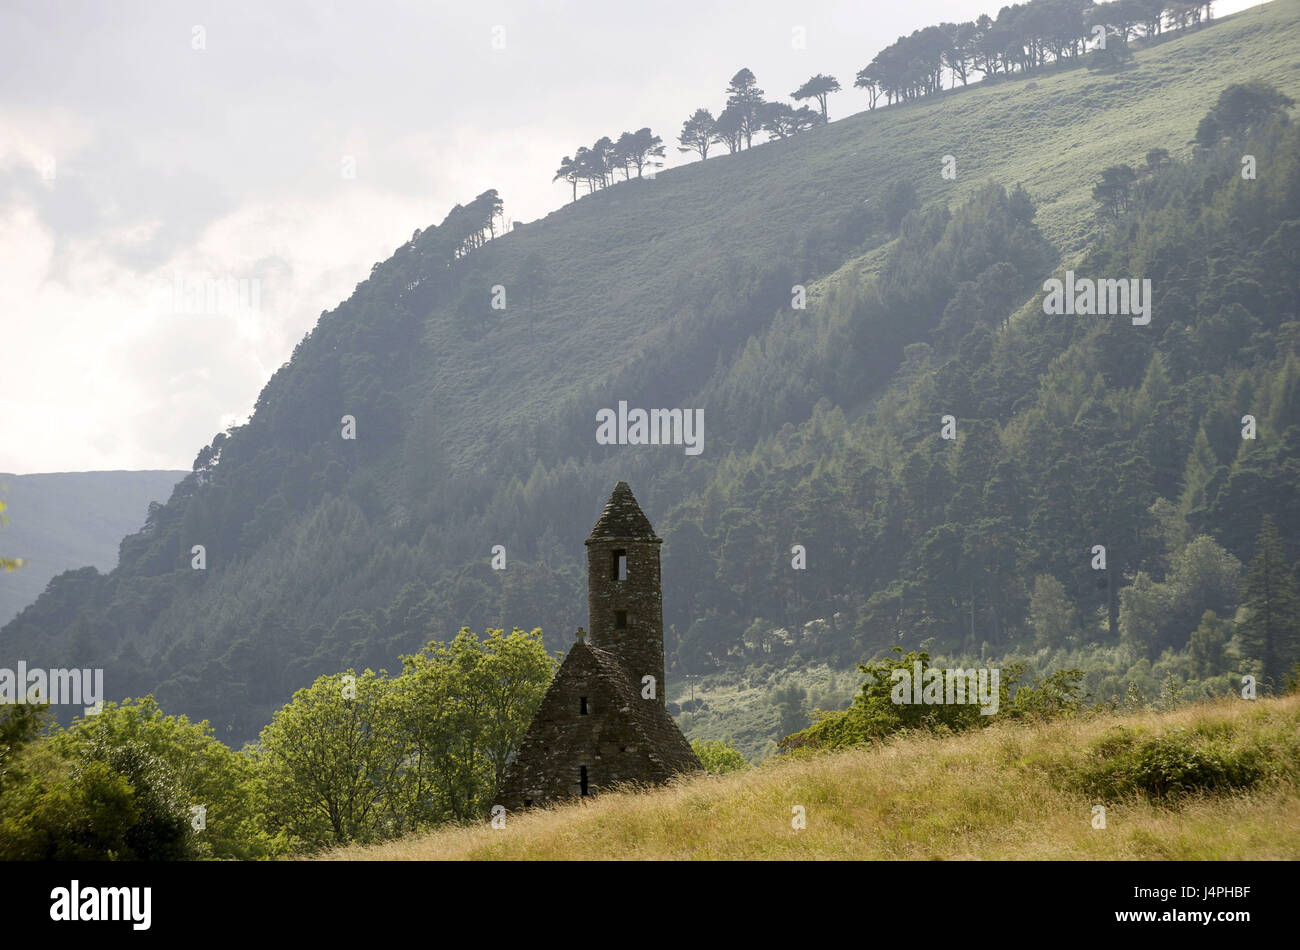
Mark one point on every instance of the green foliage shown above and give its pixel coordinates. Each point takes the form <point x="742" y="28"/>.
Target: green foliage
<point x="203" y="772"/>
<point x="886" y="705"/>
<point x="899" y="200"/>
<point x="1115" y="189"/>
<point x="114" y="789"/>
<point x="1051" y="614"/>
<point x="350" y="758"/>
<point x="67" y="814"/>
<point x="20" y="723"/>
<point x="1241" y="108"/>
<point x="1155" y="615"/>
<point x="1057" y="696"/>
<point x="123" y="784"/>
<point x="718" y="756"/>
<point x="875" y="714"/>
<point x="331" y="761"/>
<point x="1167" y="768"/>
<point x="364" y="757"/>
<point x="1206" y="645"/>
<point x="461" y="710"/>
<point x="1271" y="629"/>
<point x="161" y="830"/>
<point x="791" y="704"/>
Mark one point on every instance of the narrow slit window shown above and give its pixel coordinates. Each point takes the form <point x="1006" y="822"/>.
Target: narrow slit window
<point x="618" y="566"/>
<point x="620" y="620"/>
<point x="582" y="705"/>
<point x="528" y="803"/>
<point x="582" y="779"/>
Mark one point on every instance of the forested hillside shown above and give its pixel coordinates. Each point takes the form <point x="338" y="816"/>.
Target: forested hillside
<point x="475" y="427"/>
<point x="67" y="520"/>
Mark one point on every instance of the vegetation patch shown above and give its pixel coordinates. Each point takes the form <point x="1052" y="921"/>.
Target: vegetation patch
<point x="1208" y="759"/>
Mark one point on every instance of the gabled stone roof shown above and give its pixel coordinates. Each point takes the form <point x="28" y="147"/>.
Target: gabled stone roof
<point x="661" y="732"/>
<point x="624" y="739"/>
<point x="622" y="519"/>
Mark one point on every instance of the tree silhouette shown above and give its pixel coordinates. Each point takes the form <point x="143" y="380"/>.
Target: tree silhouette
<point x="783" y="121"/>
<point x="744" y="96"/>
<point x="729" y="129"/>
<point x="601" y="160"/>
<point x="570" y="172"/>
<point x="869" y="80"/>
<point x="818" y="87"/>
<point x="697" y="133"/>
<point x="1240" y="109"/>
<point x="1115" y="188"/>
<point x="643" y="147"/>
<point x="959" y="55"/>
<point x="623" y="149"/>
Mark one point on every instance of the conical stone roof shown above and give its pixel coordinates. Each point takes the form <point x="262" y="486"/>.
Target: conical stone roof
<point x="622" y="519"/>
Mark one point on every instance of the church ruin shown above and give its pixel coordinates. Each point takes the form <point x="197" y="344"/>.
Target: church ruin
<point x="603" y="720"/>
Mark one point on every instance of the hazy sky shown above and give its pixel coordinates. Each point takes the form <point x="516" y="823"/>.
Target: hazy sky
<point x="149" y="148"/>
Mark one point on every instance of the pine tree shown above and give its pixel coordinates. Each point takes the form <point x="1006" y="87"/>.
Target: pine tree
<point x="1206" y="645"/>
<point x="746" y="99"/>
<point x="1269" y="631"/>
<point x="1198" y="474"/>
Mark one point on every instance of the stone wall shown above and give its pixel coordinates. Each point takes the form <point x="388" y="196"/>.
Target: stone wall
<point x="620" y="739"/>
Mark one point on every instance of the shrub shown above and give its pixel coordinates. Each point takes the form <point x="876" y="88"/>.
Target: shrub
<point x="1169" y="767"/>
<point x="719" y="757"/>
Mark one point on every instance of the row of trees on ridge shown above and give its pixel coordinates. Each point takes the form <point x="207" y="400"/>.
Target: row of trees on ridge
<point x="598" y="165"/>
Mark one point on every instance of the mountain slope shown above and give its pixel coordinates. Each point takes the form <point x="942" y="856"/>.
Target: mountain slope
<point x="476" y="427"/>
<point x="67" y="520"/>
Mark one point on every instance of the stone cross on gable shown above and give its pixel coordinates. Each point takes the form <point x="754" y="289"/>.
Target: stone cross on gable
<point x="582" y="635"/>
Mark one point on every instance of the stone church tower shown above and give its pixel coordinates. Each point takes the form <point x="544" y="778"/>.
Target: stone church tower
<point x="625" y="607"/>
<point x="603" y="721"/>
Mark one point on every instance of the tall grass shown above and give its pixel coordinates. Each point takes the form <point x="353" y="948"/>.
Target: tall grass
<point x="1009" y="792"/>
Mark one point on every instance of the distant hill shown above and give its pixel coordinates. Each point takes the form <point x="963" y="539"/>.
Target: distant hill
<point x="66" y="520"/>
<point x="476" y="427"/>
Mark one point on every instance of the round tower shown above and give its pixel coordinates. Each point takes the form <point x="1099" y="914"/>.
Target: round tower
<point x="624" y="604"/>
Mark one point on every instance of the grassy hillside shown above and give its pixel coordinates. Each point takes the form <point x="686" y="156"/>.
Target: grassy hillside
<point x="476" y="427"/>
<point x="66" y="520"/>
<point x="616" y="257"/>
<point x="1003" y="792"/>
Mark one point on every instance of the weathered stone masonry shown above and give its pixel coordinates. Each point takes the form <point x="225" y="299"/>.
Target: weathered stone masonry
<point x="594" y="728"/>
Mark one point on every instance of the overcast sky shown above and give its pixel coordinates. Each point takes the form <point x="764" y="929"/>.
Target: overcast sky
<point x="147" y="148"/>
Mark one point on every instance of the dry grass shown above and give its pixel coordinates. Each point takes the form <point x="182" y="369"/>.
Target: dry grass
<point x="997" y="793"/>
